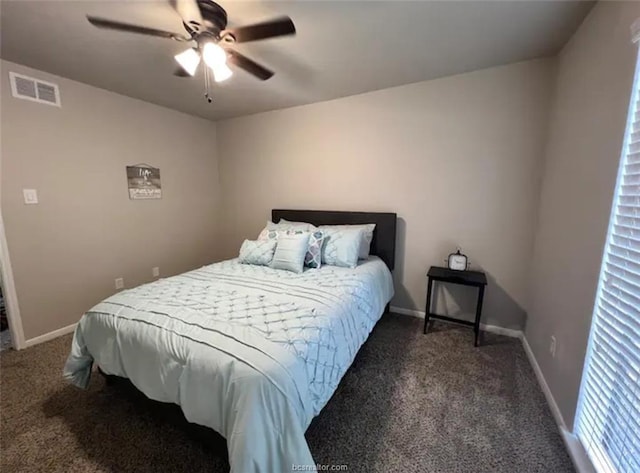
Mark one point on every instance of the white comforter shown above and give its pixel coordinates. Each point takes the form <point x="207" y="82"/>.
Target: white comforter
<point x="252" y="352"/>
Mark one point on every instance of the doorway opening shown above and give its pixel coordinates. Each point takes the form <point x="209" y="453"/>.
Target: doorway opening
<point x="5" y="334"/>
<point x="10" y="322"/>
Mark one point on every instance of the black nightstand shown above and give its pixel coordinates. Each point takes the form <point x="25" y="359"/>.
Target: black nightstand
<point x="465" y="278"/>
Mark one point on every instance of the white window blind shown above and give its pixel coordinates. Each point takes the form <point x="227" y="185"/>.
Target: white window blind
<point x="608" y="417"/>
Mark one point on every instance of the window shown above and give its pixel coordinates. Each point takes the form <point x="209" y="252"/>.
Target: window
<point x="608" y="417"/>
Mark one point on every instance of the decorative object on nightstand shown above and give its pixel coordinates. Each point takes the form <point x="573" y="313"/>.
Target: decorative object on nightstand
<point x="457" y="261"/>
<point x="463" y="277"/>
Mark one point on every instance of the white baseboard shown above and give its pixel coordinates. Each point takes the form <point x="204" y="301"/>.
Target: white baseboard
<point x="573" y="445"/>
<point x="555" y="410"/>
<point x="50" y="336"/>
<point x="578" y="455"/>
<point x="508" y="332"/>
<point x="401" y="311"/>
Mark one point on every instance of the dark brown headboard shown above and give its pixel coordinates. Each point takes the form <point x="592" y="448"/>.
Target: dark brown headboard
<point x="384" y="235"/>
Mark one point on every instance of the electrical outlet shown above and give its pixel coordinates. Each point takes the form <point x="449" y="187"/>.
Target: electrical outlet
<point x="155" y="272"/>
<point x="552" y="346"/>
<point x="119" y="283"/>
<point x="30" y="196"/>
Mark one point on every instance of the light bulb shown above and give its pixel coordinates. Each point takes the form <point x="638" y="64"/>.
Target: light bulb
<point x="222" y="73"/>
<point x="189" y="60"/>
<point x="213" y="55"/>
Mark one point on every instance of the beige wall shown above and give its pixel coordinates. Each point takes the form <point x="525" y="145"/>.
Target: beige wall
<point x="457" y="158"/>
<point x="85" y="232"/>
<point x="592" y="92"/>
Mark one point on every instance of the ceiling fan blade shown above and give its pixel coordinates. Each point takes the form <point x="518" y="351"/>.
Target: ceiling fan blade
<point x="191" y="29"/>
<point x="188" y="11"/>
<point x="269" y="29"/>
<point x="248" y="65"/>
<point x="128" y="28"/>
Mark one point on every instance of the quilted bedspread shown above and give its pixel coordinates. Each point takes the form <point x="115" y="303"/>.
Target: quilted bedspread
<point x="252" y="352"/>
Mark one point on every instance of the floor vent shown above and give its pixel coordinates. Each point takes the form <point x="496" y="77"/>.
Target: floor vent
<point x="36" y="90"/>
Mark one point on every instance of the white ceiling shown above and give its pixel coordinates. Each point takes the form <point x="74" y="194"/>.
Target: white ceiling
<point x="342" y="48"/>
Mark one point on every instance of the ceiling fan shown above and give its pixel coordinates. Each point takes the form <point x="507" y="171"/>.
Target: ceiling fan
<point x="205" y="23"/>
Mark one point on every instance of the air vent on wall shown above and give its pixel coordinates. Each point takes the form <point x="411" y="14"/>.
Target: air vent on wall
<point x="36" y="90"/>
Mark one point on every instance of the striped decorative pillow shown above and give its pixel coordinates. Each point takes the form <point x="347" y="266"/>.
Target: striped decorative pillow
<point x="313" y="257"/>
<point x="290" y="252"/>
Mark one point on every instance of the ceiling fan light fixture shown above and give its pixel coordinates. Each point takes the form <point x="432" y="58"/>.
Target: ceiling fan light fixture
<point x="222" y="73"/>
<point x="205" y="23"/>
<point x="189" y="60"/>
<point x="213" y="55"/>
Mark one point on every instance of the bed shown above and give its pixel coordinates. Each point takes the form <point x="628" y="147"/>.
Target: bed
<point x="251" y="352"/>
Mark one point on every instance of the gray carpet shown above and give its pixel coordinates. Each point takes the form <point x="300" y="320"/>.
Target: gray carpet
<point x="409" y="403"/>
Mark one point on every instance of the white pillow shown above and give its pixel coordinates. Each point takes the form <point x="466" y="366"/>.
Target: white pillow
<point x="258" y="252"/>
<point x="367" y="236"/>
<point x="290" y="252"/>
<point x="297" y="225"/>
<point x="284" y="225"/>
<point x="342" y="246"/>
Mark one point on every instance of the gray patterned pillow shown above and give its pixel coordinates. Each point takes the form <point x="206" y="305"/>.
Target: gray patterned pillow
<point x="313" y="258"/>
<point x="258" y="252"/>
<point x="267" y="234"/>
<point x="284" y="225"/>
<point x="342" y="246"/>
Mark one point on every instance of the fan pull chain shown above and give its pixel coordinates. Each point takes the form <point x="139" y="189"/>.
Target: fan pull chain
<point x="207" y="84"/>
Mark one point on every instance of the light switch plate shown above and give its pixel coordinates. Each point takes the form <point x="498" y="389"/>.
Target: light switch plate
<point x="30" y="196"/>
<point x="119" y="283"/>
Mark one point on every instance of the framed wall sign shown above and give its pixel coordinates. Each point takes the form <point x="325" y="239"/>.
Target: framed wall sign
<point x="144" y="182"/>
